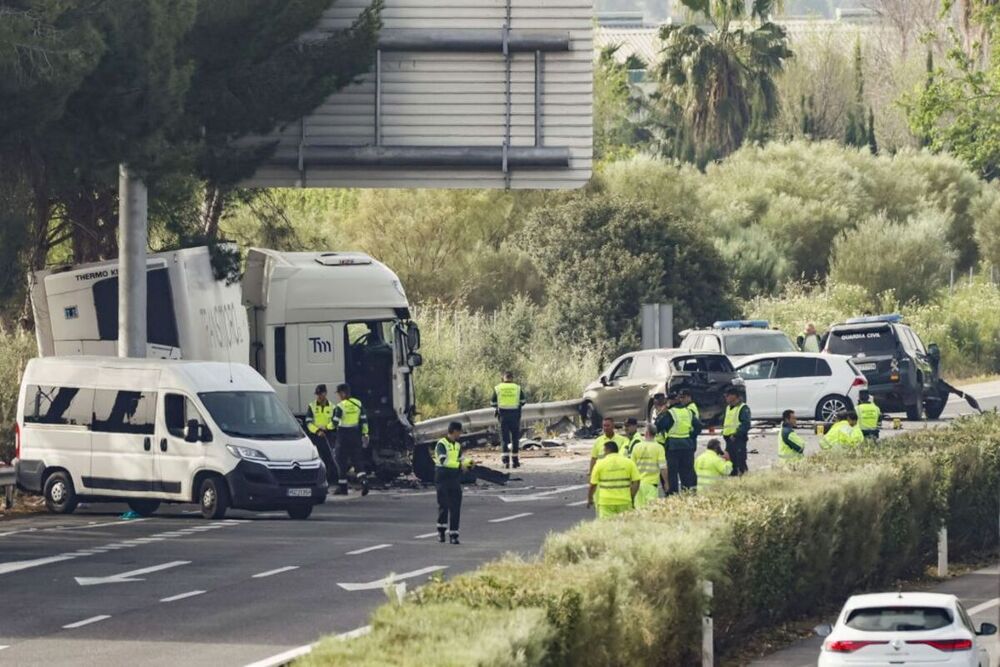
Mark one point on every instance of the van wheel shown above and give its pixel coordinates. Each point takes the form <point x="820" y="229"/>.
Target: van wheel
<point x="214" y="498"/>
<point x="60" y="496"/>
<point x="829" y="406"/>
<point x="300" y="512"/>
<point x="144" y="507"/>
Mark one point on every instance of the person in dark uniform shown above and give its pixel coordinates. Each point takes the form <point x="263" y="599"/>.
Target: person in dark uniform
<point x="508" y="399"/>
<point x="448" y="466"/>
<point x="319" y="424"/>
<point x="351" y="426"/>
<point x="736" y="430"/>
<point x="677" y="429"/>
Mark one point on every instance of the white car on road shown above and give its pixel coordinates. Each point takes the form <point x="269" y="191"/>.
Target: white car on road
<point x="904" y="629"/>
<point x="816" y="386"/>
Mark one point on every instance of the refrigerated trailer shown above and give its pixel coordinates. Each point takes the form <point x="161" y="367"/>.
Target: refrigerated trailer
<point x="299" y="319"/>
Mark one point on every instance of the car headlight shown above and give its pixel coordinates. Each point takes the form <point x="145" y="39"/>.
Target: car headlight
<point x="315" y="455"/>
<point x="246" y="453"/>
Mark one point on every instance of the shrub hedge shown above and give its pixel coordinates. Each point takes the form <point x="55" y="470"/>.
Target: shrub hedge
<point x="775" y="544"/>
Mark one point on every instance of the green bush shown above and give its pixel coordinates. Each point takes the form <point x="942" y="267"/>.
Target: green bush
<point x="15" y="350"/>
<point x="775" y="545"/>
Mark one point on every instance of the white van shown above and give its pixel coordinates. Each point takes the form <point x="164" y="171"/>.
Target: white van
<point x="147" y="431"/>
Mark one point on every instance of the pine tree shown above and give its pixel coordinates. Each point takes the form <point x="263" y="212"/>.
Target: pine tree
<point x="872" y="143"/>
<point x="856" y="133"/>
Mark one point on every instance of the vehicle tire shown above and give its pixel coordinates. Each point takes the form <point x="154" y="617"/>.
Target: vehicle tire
<point x="933" y="409"/>
<point x="214" y="498"/>
<point x="829" y="406"/>
<point x="143" y="506"/>
<point x="591" y="417"/>
<point x="60" y="495"/>
<point x="300" y="512"/>
<point x="915" y="412"/>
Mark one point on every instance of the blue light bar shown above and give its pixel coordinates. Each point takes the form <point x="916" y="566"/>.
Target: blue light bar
<point x="740" y="324"/>
<point x="893" y="318"/>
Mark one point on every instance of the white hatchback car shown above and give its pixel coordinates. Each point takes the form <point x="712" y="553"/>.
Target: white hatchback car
<point x="904" y="629"/>
<point x="816" y="386"/>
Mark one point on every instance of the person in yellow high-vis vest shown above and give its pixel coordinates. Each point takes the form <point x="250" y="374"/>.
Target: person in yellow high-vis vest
<point x="677" y="429"/>
<point x="632" y="435"/>
<point x="448" y="466"/>
<point x="508" y="399"/>
<point x="712" y="465"/>
<point x="736" y="429"/>
<point x="597" y="452"/>
<point x="869" y="416"/>
<point x="651" y="460"/>
<point x="617" y="478"/>
<point x="351" y="425"/>
<point x="845" y="433"/>
<point x="319" y="425"/>
<point x="791" y="446"/>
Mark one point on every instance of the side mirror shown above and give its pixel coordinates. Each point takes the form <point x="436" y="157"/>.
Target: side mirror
<point x="823" y="630"/>
<point x="414" y="359"/>
<point x="986" y="629"/>
<point x="933" y="351"/>
<point x="412" y="336"/>
<point x="604" y="380"/>
<point x="192" y="432"/>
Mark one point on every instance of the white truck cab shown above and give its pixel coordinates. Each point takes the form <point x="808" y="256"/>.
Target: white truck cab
<point x="147" y="431"/>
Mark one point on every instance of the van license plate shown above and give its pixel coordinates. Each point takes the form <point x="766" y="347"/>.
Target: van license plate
<point x="866" y="367"/>
<point x="300" y="493"/>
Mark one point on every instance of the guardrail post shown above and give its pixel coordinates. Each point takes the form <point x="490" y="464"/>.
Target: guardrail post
<point x="9" y="497"/>
<point x="942" y="565"/>
<point x="707" y="630"/>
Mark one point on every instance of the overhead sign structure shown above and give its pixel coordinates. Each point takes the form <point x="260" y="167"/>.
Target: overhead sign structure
<point x="463" y="94"/>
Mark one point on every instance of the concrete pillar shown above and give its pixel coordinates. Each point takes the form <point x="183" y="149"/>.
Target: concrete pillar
<point x="132" y="233"/>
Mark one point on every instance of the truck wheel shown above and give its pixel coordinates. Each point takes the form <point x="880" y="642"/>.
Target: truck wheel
<point x="300" y="512"/>
<point x="60" y="496"/>
<point x="214" y="498"/>
<point x="915" y="412"/>
<point x="829" y="406"/>
<point x="143" y="506"/>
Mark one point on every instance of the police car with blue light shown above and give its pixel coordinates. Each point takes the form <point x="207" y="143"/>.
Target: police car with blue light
<point x="737" y="338"/>
<point x="903" y="374"/>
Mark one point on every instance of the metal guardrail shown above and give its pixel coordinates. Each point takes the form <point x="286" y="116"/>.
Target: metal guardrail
<point x="8" y="482"/>
<point x="485" y="419"/>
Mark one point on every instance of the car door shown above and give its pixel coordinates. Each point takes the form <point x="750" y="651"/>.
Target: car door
<point x="762" y="388"/>
<point x="615" y="394"/>
<point x="798" y="386"/>
<point x="180" y="451"/>
<point x="122" y="431"/>
<point x="635" y="387"/>
<point x="919" y="353"/>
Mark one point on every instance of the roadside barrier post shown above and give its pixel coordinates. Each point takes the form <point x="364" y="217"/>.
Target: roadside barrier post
<point x="707" y="636"/>
<point x="942" y="568"/>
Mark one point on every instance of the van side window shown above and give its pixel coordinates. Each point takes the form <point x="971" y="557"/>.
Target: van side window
<point x="58" y="405"/>
<point x="177" y="410"/>
<point x="124" y="411"/>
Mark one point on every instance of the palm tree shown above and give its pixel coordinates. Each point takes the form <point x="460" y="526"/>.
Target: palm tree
<point x="716" y="86"/>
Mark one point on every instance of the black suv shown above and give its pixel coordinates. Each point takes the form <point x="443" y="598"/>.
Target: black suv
<point x="902" y="374"/>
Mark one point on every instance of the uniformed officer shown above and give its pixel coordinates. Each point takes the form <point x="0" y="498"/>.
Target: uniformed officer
<point x="869" y="416"/>
<point x="448" y="465"/>
<point x="684" y="396"/>
<point x="736" y="429"/>
<point x="712" y="465"/>
<point x="810" y="340"/>
<point x="844" y="433"/>
<point x="351" y="425"/>
<point x="632" y="434"/>
<point x="678" y="430"/>
<point x="617" y="478"/>
<point x="508" y="399"/>
<point x="319" y="424"/>
<point x="791" y="446"/>
<point x="651" y="461"/>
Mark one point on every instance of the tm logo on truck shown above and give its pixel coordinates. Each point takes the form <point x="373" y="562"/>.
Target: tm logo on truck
<point x="320" y="346"/>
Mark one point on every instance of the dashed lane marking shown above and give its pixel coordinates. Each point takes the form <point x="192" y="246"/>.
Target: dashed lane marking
<point x="578" y="503"/>
<point x="425" y="536"/>
<point x="86" y="621"/>
<point x="287" y="568"/>
<point x="542" y="495"/>
<point x="358" y="552"/>
<point x="511" y="518"/>
<point x="980" y="608"/>
<point x="182" y="596"/>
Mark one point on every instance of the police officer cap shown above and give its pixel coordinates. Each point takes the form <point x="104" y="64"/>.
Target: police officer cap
<point x="320" y="389"/>
<point x="683" y="392"/>
<point x="673" y="395"/>
<point x="631" y="421"/>
<point x="659" y="398"/>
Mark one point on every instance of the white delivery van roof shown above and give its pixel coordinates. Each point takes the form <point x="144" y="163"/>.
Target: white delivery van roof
<point x="197" y="376"/>
<point x="305" y="286"/>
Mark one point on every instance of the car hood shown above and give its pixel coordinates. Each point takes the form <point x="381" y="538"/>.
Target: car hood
<point x="298" y="450"/>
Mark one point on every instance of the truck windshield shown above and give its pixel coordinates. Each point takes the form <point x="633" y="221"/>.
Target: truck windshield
<point x="862" y="342"/>
<point x="762" y="343"/>
<point x="251" y="414"/>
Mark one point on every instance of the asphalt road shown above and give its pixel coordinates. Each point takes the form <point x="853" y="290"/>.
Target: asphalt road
<point x="92" y="589"/>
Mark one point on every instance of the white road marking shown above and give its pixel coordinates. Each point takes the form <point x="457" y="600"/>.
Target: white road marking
<point x="577" y="503"/>
<point x="18" y="565"/>
<point x="979" y="608"/>
<point x="174" y="598"/>
<point x="86" y="621"/>
<point x="3" y="647"/>
<point x="425" y="536"/>
<point x="358" y="552"/>
<point x="299" y="651"/>
<point x="131" y="575"/>
<point x="391" y="579"/>
<point x="287" y="568"/>
<point x="543" y="494"/>
<point x="511" y="518"/>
